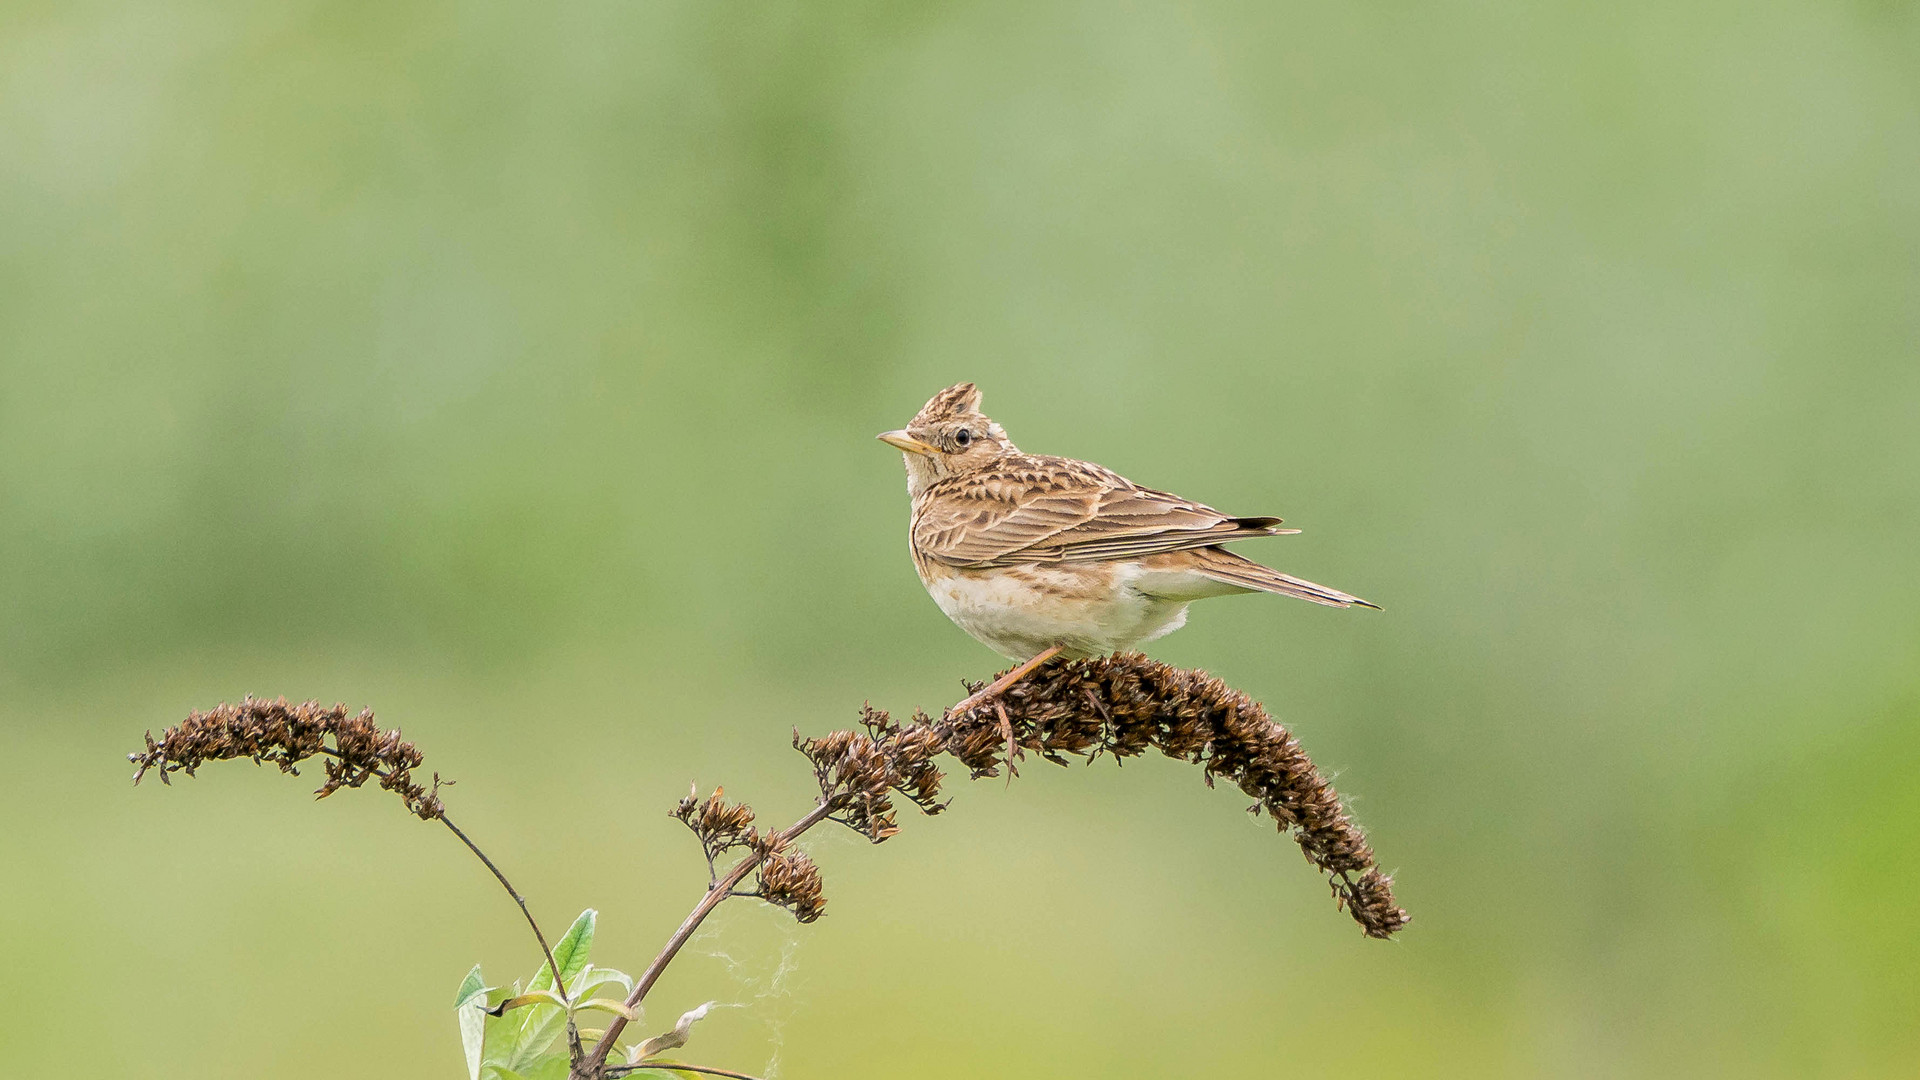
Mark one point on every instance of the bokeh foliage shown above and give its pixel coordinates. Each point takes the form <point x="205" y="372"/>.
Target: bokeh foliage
<point x="513" y="369"/>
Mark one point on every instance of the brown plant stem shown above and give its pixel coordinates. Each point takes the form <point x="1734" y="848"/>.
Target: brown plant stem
<point x="629" y="1070"/>
<point x="595" y="1064"/>
<point x="559" y="984"/>
<point x="286" y="734"/>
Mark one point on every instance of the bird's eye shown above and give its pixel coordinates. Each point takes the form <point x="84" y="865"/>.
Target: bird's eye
<point x="963" y="437"/>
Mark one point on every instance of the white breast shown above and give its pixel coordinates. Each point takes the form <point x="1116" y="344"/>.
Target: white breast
<point x="1018" y="611"/>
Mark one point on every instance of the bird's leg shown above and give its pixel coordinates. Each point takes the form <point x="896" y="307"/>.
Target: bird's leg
<point x="999" y="686"/>
<point x="1006" y="732"/>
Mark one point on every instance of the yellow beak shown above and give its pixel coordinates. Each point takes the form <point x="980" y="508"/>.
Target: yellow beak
<point x="903" y="441"/>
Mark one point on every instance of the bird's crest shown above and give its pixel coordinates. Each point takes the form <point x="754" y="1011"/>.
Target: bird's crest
<point x="958" y="400"/>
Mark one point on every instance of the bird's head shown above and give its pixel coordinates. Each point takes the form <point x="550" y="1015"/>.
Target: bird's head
<point x="950" y="437"/>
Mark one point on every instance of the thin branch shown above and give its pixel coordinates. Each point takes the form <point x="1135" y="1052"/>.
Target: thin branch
<point x="285" y="735"/>
<point x="628" y="1070"/>
<point x="574" y="1051"/>
<point x="559" y="984"/>
<point x="596" y="1061"/>
<point x="595" y="1065"/>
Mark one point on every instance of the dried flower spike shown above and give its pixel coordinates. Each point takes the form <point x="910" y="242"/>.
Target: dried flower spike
<point x="720" y="825"/>
<point x="1127" y="704"/>
<point x="1121" y="705"/>
<point x="789" y="879"/>
<point x="286" y="735"/>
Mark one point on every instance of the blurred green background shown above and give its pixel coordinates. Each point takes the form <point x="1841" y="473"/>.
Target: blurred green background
<point x="514" y="370"/>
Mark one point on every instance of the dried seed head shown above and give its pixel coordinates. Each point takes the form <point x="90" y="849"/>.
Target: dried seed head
<point x="858" y="772"/>
<point x="789" y="879"/>
<point x="285" y="735"/>
<point x="1128" y="704"/>
<point x="1371" y="901"/>
<point x="1124" y="706"/>
<point x="720" y="825"/>
<point x="1120" y="705"/>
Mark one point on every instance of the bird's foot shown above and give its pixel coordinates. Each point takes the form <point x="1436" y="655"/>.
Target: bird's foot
<point x="992" y="691"/>
<point x="1000" y="685"/>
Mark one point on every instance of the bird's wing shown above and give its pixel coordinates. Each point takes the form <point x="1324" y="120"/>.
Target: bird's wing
<point x="1057" y="510"/>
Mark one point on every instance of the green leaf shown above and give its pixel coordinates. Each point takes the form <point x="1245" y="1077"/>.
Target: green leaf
<point x="542" y="1024"/>
<point x="537" y="997"/>
<point x="473" y="1022"/>
<point x="529" y="1033"/>
<point x="503" y="1032"/>
<point x="593" y="978"/>
<point x="618" y="1008"/>
<point x="551" y="1067"/>
<point x="570" y="953"/>
<point x="469" y="986"/>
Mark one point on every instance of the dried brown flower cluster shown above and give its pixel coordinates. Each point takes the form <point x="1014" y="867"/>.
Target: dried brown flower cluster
<point x="858" y="772"/>
<point x="286" y="735"/>
<point x="1126" y="704"/>
<point x="789" y="879"/>
<point x="1121" y="705"/>
<point x="720" y="825"/>
<point x="784" y="877"/>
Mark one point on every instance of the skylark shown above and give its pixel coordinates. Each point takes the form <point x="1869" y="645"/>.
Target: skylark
<point x="1040" y="556"/>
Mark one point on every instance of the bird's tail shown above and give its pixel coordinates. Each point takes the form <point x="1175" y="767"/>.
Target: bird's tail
<point x="1227" y="568"/>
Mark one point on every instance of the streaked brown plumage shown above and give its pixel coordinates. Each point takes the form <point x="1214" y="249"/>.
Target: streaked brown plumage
<point x="1027" y="552"/>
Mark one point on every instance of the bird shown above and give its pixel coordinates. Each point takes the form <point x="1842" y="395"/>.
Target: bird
<point x="1038" y="556"/>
